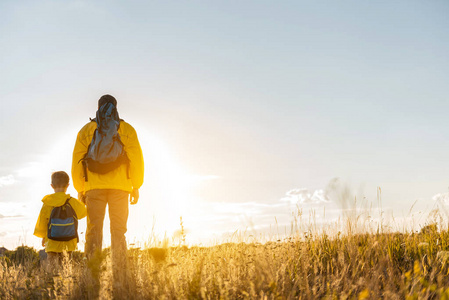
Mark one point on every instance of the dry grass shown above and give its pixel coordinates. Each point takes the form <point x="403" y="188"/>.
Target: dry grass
<point x="377" y="265"/>
<point x="365" y="262"/>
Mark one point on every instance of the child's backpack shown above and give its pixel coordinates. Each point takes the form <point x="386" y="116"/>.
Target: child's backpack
<point x="106" y="151"/>
<point x="63" y="223"/>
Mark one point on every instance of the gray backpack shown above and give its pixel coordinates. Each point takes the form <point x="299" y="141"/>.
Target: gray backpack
<point x="106" y="151"/>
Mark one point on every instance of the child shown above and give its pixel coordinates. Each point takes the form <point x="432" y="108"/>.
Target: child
<point x="54" y="248"/>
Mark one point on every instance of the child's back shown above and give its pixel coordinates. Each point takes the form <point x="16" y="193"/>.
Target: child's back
<point x="54" y="248"/>
<point x="49" y="202"/>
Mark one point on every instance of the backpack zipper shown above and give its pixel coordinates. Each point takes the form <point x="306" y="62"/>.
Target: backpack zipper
<point x="61" y="224"/>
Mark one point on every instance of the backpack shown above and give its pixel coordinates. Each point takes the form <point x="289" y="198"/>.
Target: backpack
<point x="106" y="151"/>
<point x="63" y="223"/>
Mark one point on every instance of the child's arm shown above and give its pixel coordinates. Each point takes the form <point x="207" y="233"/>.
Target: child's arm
<point x="79" y="207"/>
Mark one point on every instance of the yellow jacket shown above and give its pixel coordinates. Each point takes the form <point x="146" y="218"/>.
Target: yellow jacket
<point x="51" y="201"/>
<point x="116" y="179"/>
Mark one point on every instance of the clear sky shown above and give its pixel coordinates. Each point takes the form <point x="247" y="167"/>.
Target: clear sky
<point x="236" y="103"/>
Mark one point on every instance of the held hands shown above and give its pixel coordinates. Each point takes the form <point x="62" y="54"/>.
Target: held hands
<point x="134" y="196"/>
<point x="82" y="197"/>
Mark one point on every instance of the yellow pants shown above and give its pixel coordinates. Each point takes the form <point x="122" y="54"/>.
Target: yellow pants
<point x="96" y="201"/>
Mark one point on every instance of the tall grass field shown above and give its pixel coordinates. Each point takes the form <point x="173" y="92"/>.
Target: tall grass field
<point x="361" y="262"/>
<point x="358" y="266"/>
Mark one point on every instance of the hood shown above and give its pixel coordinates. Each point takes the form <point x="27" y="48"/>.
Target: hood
<point x="56" y="199"/>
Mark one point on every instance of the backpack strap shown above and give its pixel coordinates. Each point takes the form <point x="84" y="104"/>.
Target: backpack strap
<point x="66" y="202"/>
<point x="76" y="219"/>
<point x="85" y="170"/>
<point x="127" y="159"/>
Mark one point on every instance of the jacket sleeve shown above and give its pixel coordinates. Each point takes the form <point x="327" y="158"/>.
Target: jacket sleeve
<point x="42" y="222"/>
<point x="77" y="167"/>
<point x="136" y="165"/>
<point x="79" y="207"/>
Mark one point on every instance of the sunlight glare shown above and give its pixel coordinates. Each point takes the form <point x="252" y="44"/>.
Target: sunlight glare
<point x="167" y="193"/>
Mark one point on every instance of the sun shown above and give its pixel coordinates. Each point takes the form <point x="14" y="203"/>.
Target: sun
<point x="167" y="193"/>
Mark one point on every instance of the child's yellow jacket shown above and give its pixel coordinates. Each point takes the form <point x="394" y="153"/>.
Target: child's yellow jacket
<point x="51" y="201"/>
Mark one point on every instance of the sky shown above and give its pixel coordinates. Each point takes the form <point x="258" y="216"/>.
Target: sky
<point x="246" y="111"/>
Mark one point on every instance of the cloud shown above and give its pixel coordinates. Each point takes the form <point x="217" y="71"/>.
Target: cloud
<point x="442" y="202"/>
<point x="15" y="216"/>
<point x="7" y="180"/>
<point x="304" y="196"/>
<point x="441" y="198"/>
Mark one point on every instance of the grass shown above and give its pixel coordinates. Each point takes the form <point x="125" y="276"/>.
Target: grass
<point x="357" y="266"/>
<point x="365" y="261"/>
